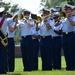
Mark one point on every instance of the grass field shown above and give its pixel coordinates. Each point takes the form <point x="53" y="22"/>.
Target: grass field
<point x="19" y="69"/>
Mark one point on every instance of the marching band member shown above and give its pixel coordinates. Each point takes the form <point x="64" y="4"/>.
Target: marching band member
<point x="26" y="40"/>
<point x="3" y="48"/>
<point x="68" y="37"/>
<point x="56" y="42"/>
<point x="11" y="46"/>
<point x="46" y="40"/>
<point x="35" y="39"/>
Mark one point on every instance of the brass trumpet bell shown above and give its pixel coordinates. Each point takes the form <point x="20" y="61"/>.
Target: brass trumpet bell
<point x="39" y="19"/>
<point x="62" y="14"/>
<point x="3" y="38"/>
<point x="21" y="16"/>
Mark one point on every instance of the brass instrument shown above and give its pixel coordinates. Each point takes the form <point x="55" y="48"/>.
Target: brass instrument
<point x="62" y="14"/>
<point x="3" y="38"/>
<point x="21" y="16"/>
<point x="37" y="18"/>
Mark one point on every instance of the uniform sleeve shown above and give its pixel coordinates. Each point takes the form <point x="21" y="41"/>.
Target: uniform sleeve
<point x="73" y="18"/>
<point x="9" y="20"/>
<point x="51" y="23"/>
<point x="39" y="25"/>
<point x="12" y="24"/>
<point x="32" y="21"/>
<point x="38" y="32"/>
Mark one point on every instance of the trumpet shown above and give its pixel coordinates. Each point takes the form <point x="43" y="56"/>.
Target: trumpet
<point x="62" y="14"/>
<point x="34" y="16"/>
<point x="3" y="38"/>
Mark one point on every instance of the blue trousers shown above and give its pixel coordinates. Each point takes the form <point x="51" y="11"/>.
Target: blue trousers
<point x="35" y="53"/>
<point x="46" y="52"/>
<point x="11" y="54"/>
<point x="69" y="50"/>
<point x="27" y="53"/>
<point x="3" y="59"/>
<point x="56" y="48"/>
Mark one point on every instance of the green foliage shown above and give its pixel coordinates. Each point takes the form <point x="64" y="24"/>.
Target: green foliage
<point x="8" y="6"/>
<point x="51" y="3"/>
<point x="14" y="8"/>
<point x="17" y="37"/>
<point x="71" y="2"/>
<point x="5" y="5"/>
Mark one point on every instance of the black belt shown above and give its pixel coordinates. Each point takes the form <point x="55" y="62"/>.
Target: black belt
<point x="11" y="38"/>
<point x="55" y="37"/>
<point x="26" y="36"/>
<point x="45" y="36"/>
<point x="68" y="32"/>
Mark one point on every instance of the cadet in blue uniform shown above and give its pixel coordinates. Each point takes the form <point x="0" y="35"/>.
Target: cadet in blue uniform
<point x="46" y="40"/>
<point x="35" y="37"/>
<point x="11" y="46"/>
<point x="3" y="48"/>
<point x="56" y="42"/>
<point x="26" y="41"/>
<point x="68" y="37"/>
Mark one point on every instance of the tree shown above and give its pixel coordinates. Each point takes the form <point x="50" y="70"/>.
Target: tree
<point x="8" y="6"/>
<point x="51" y="3"/>
<point x="5" y="5"/>
<point x="14" y="8"/>
<point x="71" y="2"/>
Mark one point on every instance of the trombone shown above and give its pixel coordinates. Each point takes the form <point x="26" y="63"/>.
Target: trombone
<point x="40" y="19"/>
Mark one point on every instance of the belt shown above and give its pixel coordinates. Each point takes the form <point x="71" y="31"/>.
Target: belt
<point x="68" y="32"/>
<point x="26" y="36"/>
<point x="11" y="38"/>
<point x="45" y="36"/>
<point x="55" y="36"/>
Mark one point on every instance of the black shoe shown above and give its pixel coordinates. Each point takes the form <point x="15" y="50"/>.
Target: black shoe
<point x="69" y="69"/>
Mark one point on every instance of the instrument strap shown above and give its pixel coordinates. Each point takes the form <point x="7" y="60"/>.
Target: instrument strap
<point x="1" y="23"/>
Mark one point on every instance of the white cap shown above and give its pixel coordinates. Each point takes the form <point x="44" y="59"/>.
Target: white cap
<point x="57" y="13"/>
<point x="9" y="13"/>
<point x="52" y="10"/>
<point x="25" y="10"/>
<point x="2" y="9"/>
<point x="46" y="10"/>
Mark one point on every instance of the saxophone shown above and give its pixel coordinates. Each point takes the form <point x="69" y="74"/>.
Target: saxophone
<point x="3" y="38"/>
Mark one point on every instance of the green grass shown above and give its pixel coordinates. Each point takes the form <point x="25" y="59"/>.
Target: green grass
<point x="19" y="69"/>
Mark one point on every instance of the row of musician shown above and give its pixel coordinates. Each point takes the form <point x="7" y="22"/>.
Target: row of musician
<point x="51" y="27"/>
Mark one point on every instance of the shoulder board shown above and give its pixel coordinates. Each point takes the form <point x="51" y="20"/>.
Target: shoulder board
<point x="51" y="18"/>
<point x="30" y="20"/>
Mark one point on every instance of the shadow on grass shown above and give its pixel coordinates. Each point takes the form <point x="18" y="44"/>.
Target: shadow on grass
<point x="14" y="74"/>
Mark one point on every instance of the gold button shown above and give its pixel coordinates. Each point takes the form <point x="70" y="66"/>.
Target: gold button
<point x="66" y="32"/>
<point x="43" y="36"/>
<point x="24" y="36"/>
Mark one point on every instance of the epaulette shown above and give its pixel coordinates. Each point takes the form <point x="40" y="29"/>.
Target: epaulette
<point x="51" y="18"/>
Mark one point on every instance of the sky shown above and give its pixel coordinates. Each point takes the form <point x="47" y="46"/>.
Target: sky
<point x="32" y="5"/>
